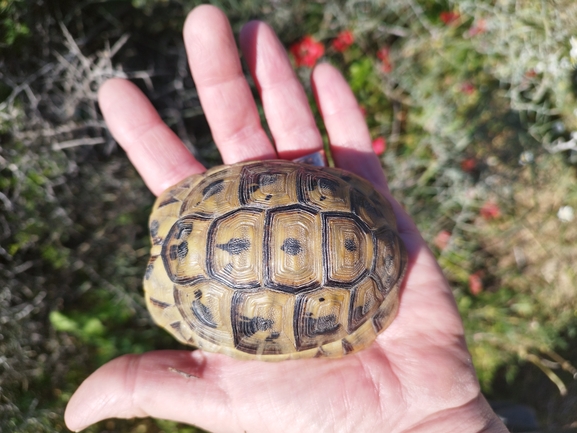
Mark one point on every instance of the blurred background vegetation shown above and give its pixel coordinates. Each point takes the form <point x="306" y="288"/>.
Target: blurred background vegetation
<point x="474" y="101"/>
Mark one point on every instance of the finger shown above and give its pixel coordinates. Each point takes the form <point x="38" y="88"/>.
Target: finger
<point x="160" y="384"/>
<point x="350" y="142"/>
<point x="285" y="103"/>
<point x="154" y="149"/>
<point x="348" y="133"/>
<point x="223" y="91"/>
<point x="209" y="390"/>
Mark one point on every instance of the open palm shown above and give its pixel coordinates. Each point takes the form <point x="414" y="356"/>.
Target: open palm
<point x="418" y="374"/>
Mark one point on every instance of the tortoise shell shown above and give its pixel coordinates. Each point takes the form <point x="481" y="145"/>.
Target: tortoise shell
<point x="273" y="260"/>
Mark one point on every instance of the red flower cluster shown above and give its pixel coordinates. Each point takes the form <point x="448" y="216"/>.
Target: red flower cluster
<point x="343" y="40"/>
<point x="442" y="239"/>
<point x="379" y="145"/>
<point x="468" y="88"/>
<point x="469" y="165"/>
<point x="479" y="27"/>
<point x="449" y="17"/>
<point x="476" y="283"/>
<point x="383" y="55"/>
<point x="307" y="51"/>
<point x="490" y="211"/>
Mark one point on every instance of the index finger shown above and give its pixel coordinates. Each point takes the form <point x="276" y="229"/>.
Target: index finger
<point x="152" y="147"/>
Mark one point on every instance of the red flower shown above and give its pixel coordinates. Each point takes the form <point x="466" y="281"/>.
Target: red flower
<point x="383" y="56"/>
<point x="307" y="51"/>
<point x="476" y="283"/>
<point x="442" y="239"/>
<point x="490" y="211"/>
<point x="479" y="27"/>
<point x="343" y="40"/>
<point x="379" y="145"/>
<point x="449" y="17"/>
<point x="469" y="165"/>
<point x="468" y="88"/>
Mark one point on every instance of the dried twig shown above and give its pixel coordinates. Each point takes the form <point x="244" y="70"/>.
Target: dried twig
<point x="78" y="142"/>
<point x="534" y="359"/>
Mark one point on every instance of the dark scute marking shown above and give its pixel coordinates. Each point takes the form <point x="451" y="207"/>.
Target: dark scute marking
<point x="175" y="325"/>
<point x="184" y="229"/>
<point x="267" y="179"/>
<point x="291" y="246"/>
<point x="253" y="188"/>
<point x="159" y="304"/>
<point x="323" y="197"/>
<point x="372" y="209"/>
<point x="389" y="282"/>
<point x="157" y="240"/>
<point x="228" y="268"/>
<point x="182" y="250"/>
<point x="389" y="259"/>
<point x="328" y="184"/>
<point x="197" y="294"/>
<point x="379" y="318"/>
<point x="154" y="225"/>
<point x="361" y="201"/>
<point x="320" y="353"/>
<point x="167" y="202"/>
<point x="173" y="253"/>
<point x="320" y="326"/>
<point x="235" y="246"/>
<point x="212" y="189"/>
<point x="251" y="325"/>
<point x="321" y="299"/>
<point x="148" y="272"/>
<point x="350" y="245"/>
<point x="268" y="197"/>
<point x="359" y="313"/>
<point x="389" y="263"/>
<point x="273" y="336"/>
<point x="312" y="183"/>
<point x="346" y="178"/>
<point x="347" y="346"/>
<point x="203" y="314"/>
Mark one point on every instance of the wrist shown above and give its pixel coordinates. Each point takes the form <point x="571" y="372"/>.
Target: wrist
<point x="476" y="416"/>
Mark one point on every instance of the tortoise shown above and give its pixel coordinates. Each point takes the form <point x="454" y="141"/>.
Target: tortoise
<point x="274" y="260"/>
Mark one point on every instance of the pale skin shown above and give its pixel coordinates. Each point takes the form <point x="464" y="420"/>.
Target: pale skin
<point x="418" y="374"/>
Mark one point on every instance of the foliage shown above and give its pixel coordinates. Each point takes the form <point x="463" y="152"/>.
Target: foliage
<point x="475" y="100"/>
<point x="12" y="26"/>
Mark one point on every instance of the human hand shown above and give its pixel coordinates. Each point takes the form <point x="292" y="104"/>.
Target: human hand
<point x="416" y="376"/>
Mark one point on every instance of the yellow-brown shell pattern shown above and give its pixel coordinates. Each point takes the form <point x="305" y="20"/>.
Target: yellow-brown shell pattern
<point x="274" y="260"/>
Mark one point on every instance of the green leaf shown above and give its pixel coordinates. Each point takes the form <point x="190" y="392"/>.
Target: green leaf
<point x="62" y="323"/>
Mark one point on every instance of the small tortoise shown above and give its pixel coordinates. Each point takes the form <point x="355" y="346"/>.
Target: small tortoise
<point x="274" y="260"/>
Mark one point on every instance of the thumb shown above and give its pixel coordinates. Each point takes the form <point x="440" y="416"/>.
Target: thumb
<point x="175" y="385"/>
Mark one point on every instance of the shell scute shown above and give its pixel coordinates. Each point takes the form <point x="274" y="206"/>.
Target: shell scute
<point x="319" y="317"/>
<point x="204" y="308"/>
<point x="292" y="243"/>
<point x="235" y="248"/>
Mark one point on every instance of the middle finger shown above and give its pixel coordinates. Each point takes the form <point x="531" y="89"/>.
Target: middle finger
<point x="284" y="100"/>
<point x="223" y="91"/>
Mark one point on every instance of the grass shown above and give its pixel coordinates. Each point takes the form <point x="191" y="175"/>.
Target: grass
<point x="474" y="98"/>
